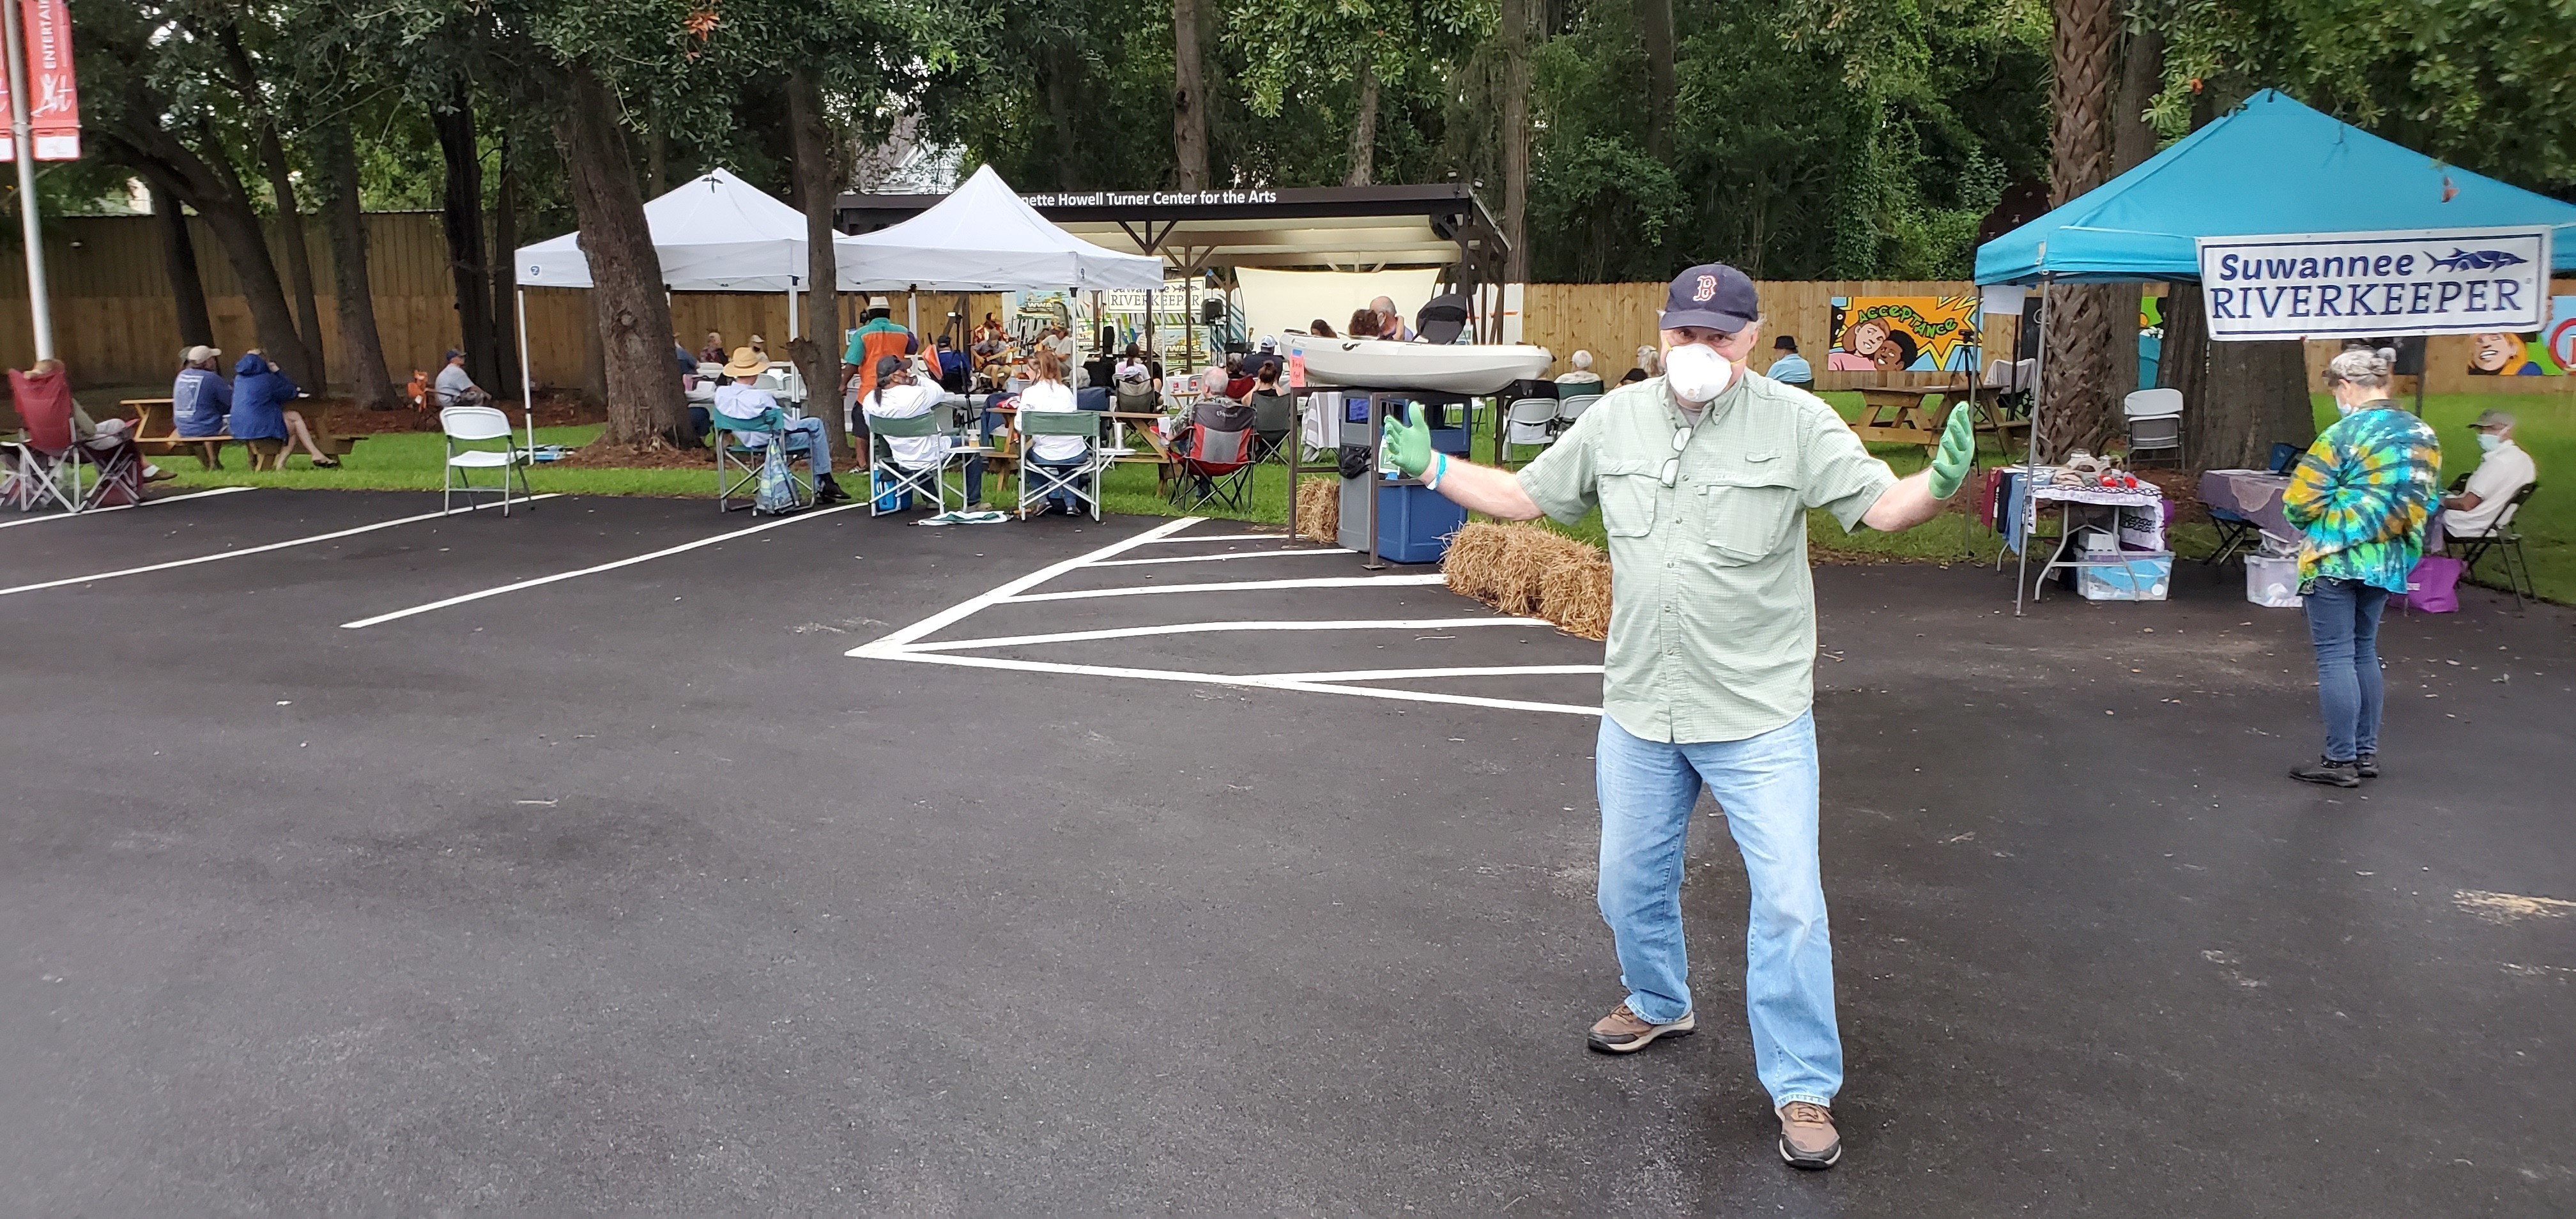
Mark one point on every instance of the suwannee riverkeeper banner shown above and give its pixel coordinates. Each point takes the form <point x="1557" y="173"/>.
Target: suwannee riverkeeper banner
<point x="2331" y="285"/>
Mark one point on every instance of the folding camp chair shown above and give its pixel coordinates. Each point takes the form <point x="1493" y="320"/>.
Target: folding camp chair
<point x="1215" y="468"/>
<point x="929" y="481"/>
<point x="2500" y="539"/>
<point x="466" y="427"/>
<point x="1271" y="414"/>
<point x="1530" y="421"/>
<point x="738" y="462"/>
<point x="52" y="465"/>
<point x="38" y="477"/>
<point x="1078" y="480"/>
<point x="1571" y="408"/>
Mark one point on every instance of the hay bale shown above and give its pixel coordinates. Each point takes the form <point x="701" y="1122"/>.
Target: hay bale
<point x="1473" y="554"/>
<point x="1319" y="510"/>
<point x="1576" y="597"/>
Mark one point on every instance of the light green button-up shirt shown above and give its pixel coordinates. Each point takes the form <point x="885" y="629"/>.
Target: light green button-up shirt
<point x="1713" y="613"/>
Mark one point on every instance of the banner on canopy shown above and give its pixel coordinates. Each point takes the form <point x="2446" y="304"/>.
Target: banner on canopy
<point x="2375" y="285"/>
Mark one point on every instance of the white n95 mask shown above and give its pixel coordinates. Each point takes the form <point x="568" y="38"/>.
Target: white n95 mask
<point x="1696" y="372"/>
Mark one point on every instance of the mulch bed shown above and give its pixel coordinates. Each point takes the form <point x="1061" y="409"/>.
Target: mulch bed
<point x="654" y="456"/>
<point x="344" y="417"/>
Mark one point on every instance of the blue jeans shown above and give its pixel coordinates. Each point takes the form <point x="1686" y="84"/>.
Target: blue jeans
<point x="1062" y="498"/>
<point x="2343" y="623"/>
<point x="803" y="436"/>
<point x="1767" y="787"/>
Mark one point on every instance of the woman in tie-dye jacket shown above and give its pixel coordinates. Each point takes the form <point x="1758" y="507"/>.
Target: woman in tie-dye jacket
<point x="2362" y="495"/>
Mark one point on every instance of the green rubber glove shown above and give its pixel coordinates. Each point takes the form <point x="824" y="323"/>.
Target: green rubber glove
<point x="1958" y="453"/>
<point x="1408" y="441"/>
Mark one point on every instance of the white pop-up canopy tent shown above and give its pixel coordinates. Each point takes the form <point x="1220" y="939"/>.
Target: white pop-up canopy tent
<point x="714" y="233"/>
<point x="983" y="238"/>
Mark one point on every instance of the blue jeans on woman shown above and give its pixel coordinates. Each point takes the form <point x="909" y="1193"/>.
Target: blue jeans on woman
<point x="1766" y="786"/>
<point x="2343" y="623"/>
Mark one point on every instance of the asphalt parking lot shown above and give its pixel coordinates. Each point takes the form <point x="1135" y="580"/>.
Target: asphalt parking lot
<point x="617" y="857"/>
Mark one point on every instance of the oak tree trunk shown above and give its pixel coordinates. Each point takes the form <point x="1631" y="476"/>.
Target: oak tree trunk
<point x="362" y="349"/>
<point x="179" y="257"/>
<point x="1189" y="98"/>
<point x="461" y="217"/>
<point x="1363" y="169"/>
<point x="505" y="278"/>
<point x="633" y="312"/>
<point x="815" y="182"/>
<point x="2078" y="407"/>
<point x="299" y="254"/>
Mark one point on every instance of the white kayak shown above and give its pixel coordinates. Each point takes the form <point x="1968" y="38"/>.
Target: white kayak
<point x="1450" y="368"/>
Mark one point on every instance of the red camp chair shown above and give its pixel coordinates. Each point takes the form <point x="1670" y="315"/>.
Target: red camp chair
<point x="50" y="463"/>
<point x="1215" y="467"/>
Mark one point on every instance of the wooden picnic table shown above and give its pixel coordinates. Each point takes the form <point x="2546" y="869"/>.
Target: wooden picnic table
<point x="1896" y="414"/>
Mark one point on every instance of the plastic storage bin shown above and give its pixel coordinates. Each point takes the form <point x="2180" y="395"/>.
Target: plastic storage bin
<point x="2272" y="581"/>
<point x="2140" y="576"/>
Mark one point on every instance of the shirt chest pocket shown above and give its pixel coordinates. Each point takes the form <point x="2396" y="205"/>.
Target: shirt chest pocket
<point x="1748" y="507"/>
<point x="1628" y="499"/>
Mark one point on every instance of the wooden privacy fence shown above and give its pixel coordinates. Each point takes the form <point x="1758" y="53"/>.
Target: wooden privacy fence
<point x="116" y="324"/>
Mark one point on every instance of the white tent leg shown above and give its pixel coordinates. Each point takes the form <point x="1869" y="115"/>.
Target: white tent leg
<point x="912" y="309"/>
<point x="527" y="379"/>
<point x="791" y="313"/>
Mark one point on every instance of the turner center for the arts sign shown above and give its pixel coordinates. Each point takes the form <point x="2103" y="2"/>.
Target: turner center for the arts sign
<point x="2326" y="285"/>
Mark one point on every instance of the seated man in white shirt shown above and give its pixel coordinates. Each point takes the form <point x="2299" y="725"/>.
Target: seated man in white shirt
<point x="2503" y="470"/>
<point x="901" y="393"/>
<point x="749" y="412"/>
<point x="1583" y="379"/>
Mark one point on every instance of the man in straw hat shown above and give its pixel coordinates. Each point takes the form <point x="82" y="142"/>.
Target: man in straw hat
<point x="751" y="411"/>
<point x="1703" y="476"/>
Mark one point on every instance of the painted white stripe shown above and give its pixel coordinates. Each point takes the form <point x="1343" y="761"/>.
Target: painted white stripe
<point x="1194" y="628"/>
<point x="896" y="640"/>
<point x="1225" y="537"/>
<point x="612" y="565"/>
<point x="1472" y="671"/>
<point x="1257" y="681"/>
<point x="252" y="550"/>
<point x="166" y="499"/>
<point x="1227" y="586"/>
<point x="1219" y="558"/>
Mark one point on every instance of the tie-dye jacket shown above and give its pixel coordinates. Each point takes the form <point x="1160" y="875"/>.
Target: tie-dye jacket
<point x="2362" y="495"/>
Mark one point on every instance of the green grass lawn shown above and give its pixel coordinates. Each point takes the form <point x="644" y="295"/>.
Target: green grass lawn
<point x="410" y="461"/>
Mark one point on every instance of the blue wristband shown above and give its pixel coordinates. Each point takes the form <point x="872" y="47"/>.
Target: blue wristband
<point x="1439" y="470"/>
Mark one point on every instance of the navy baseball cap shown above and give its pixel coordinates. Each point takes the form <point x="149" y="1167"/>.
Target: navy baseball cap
<point x="1712" y="295"/>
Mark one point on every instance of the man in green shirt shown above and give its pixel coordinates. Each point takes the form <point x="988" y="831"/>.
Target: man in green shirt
<point x="1704" y="476"/>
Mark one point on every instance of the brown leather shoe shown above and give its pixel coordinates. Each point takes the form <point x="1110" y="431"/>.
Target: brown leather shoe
<point x="1626" y="1032"/>
<point x="1807" y="1136"/>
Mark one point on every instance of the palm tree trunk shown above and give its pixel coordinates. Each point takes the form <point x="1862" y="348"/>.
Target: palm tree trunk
<point x="634" y="315"/>
<point x="2079" y="409"/>
<point x="352" y="285"/>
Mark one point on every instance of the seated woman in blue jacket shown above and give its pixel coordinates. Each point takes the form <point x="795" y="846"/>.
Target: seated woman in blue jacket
<point x="260" y="420"/>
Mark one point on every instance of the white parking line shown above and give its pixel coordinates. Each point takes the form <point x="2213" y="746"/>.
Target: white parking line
<point x="897" y="640"/>
<point x="1219" y="558"/>
<point x="1470" y="671"/>
<point x="1195" y="628"/>
<point x="613" y="565"/>
<point x="252" y="550"/>
<point x="1256" y="681"/>
<point x="166" y="499"/>
<point x="1226" y="586"/>
<point x="1221" y="537"/>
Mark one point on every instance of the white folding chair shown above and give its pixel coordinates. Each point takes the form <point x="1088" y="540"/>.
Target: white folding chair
<point x="1571" y="408"/>
<point x="929" y="480"/>
<point x="1530" y="421"/>
<point x="2155" y="422"/>
<point x="1052" y="478"/>
<point x="467" y="426"/>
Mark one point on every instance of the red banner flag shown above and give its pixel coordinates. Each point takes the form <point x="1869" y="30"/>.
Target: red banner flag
<point x="53" y="99"/>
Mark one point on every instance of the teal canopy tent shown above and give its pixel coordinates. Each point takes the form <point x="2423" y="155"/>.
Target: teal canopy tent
<point x="2271" y="166"/>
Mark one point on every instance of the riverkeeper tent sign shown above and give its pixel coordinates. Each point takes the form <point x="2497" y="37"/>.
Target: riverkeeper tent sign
<point x="2330" y="285"/>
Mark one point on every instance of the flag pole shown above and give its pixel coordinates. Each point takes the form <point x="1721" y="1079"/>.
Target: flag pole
<point x="39" y="305"/>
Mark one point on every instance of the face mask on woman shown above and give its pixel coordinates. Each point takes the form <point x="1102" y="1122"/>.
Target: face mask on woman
<point x="1696" y="372"/>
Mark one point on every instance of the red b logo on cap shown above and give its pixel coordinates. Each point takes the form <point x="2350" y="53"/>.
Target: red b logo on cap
<point x="1707" y="288"/>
